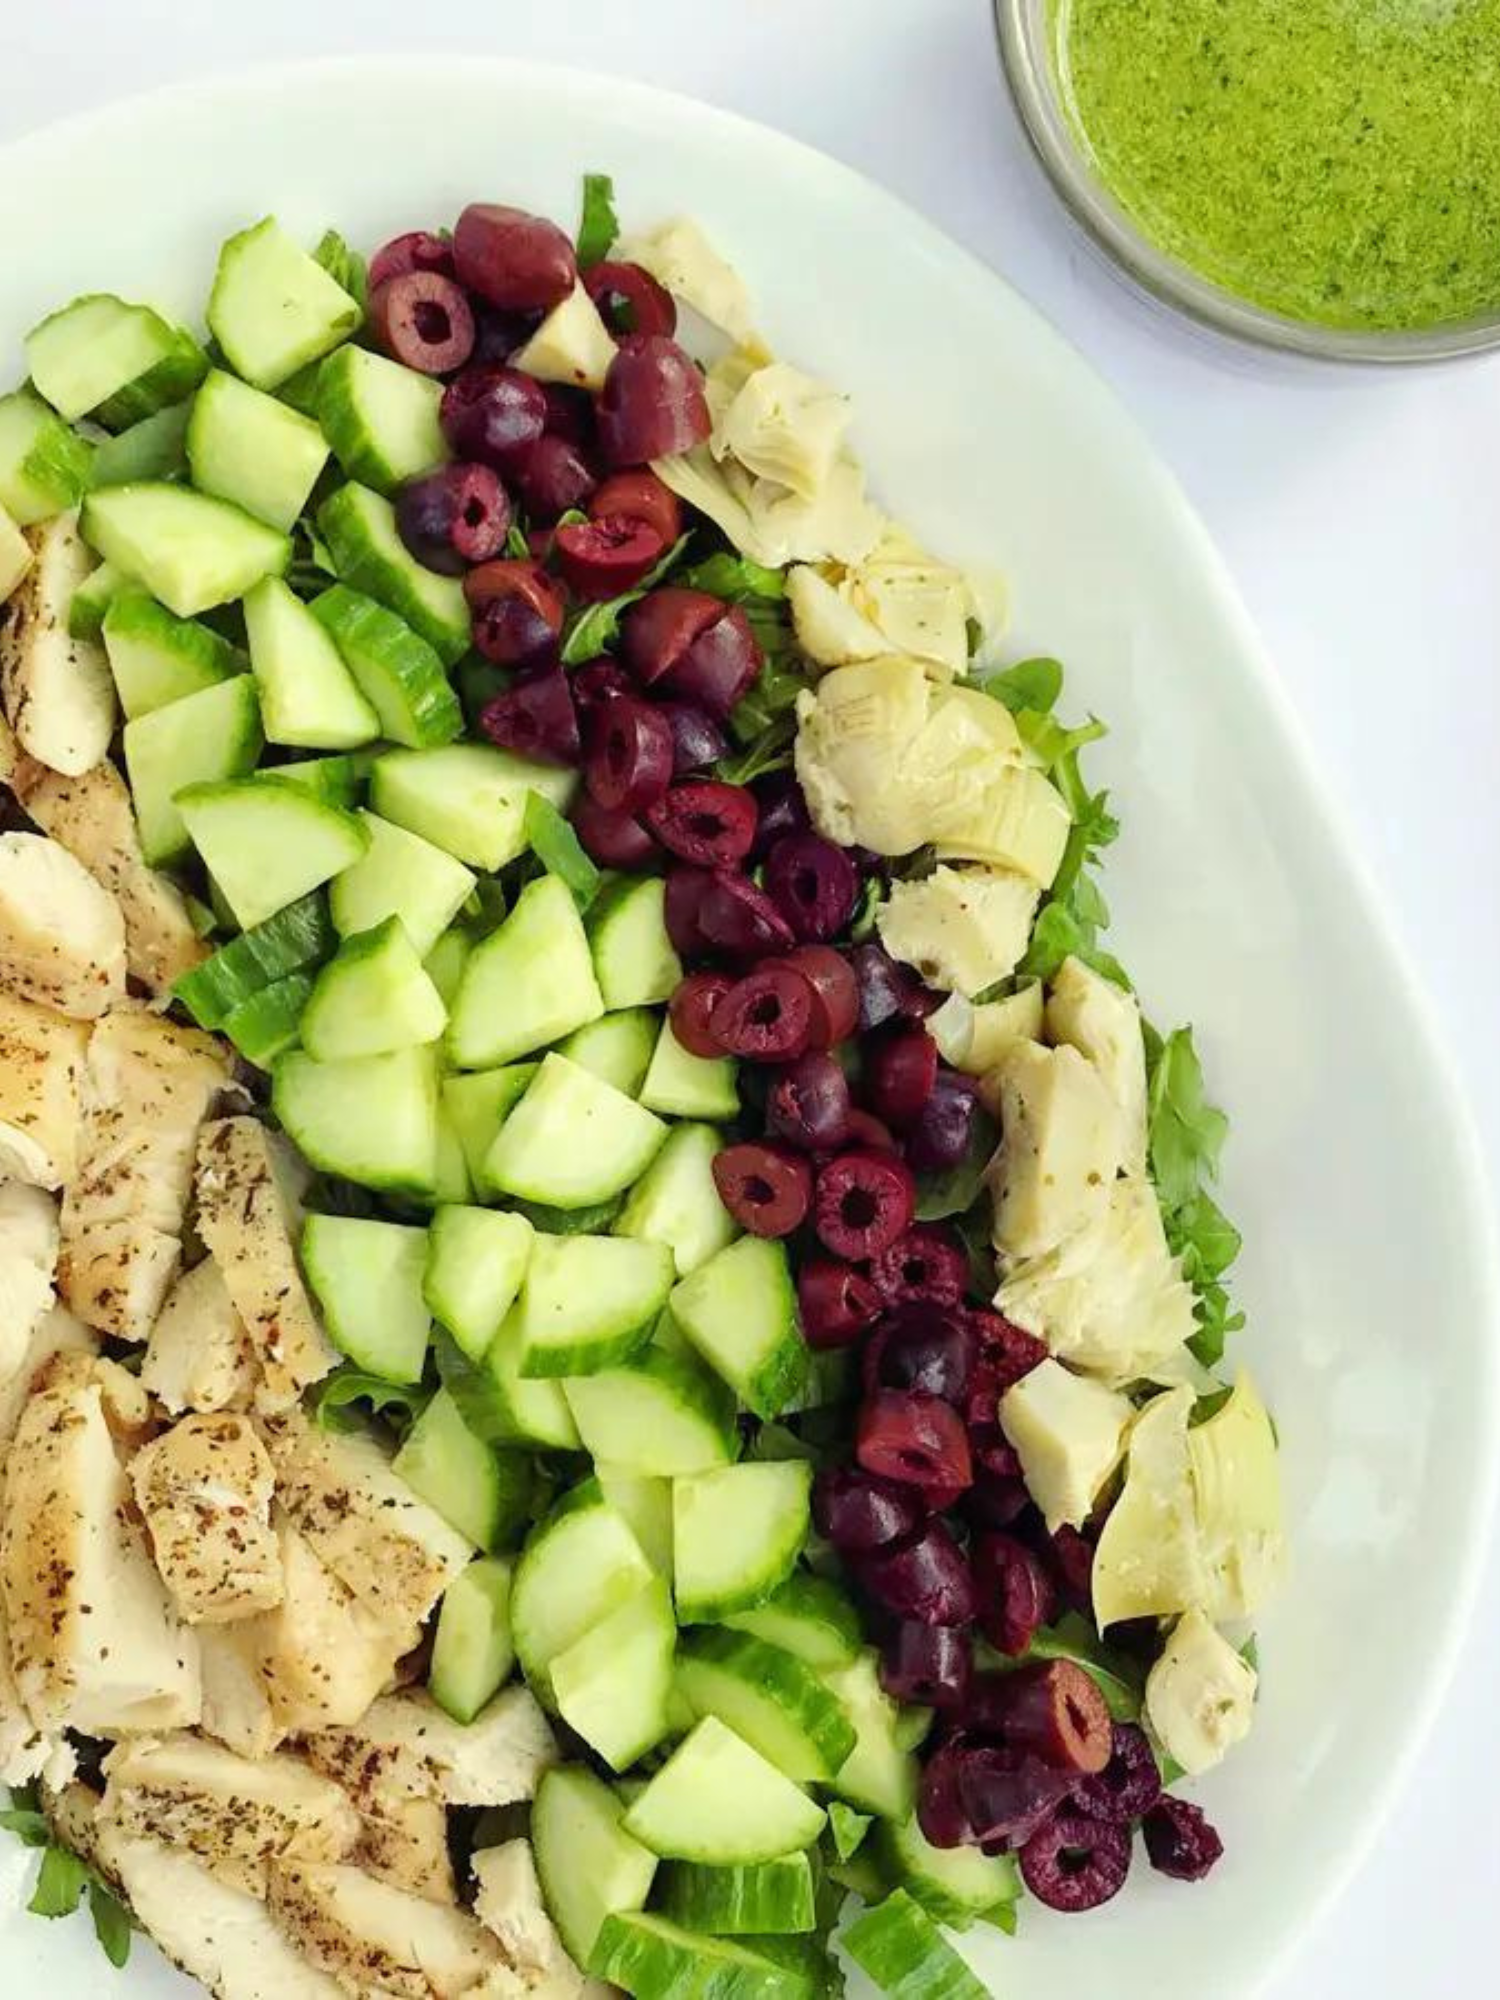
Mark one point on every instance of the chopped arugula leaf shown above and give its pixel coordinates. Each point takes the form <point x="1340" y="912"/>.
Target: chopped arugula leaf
<point x="871" y="896"/>
<point x="772" y="699"/>
<point x="735" y="578"/>
<point x="1186" y="1136"/>
<point x="599" y="226"/>
<point x="24" y="1817"/>
<point x="338" y="1401"/>
<point x="1061" y="933"/>
<point x="1250" y="1653"/>
<point x="552" y="839"/>
<point x="60" y="1883"/>
<point x="113" y="1923"/>
<point x="955" y="1191"/>
<point x="596" y="628"/>
<point x="771" y="751"/>
<point x="848" y="1828"/>
<point x="345" y="266"/>
<point x="1032" y="685"/>
<point x="516" y="545"/>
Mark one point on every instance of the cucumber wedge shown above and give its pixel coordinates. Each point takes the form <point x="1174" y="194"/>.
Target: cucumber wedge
<point x="274" y="308"/>
<point x="91" y="600"/>
<point x="633" y="956"/>
<point x="205" y="738"/>
<point x="45" y="468"/>
<point x="395" y="669"/>
<point x="157" y="658"/>
<point x="907" y="1956"/>
<point x="589" y="1302"/>
<point x="473" y="1652"/>
<point x="778" y="1705"/>
<point x="771" y="1897"/>
<point x="477" y="1106"/>
<point x="618" y="1048"/>
<point x="359" y="527"/>
<point x="121" y="361"/>
<point x="647" y="1506"/>
<point x="446" y="961"/>
<point x="529" y="983"/>
<point x="683" y="1085"/>
<point x="573" y="1140"/>
<point x="296" y="937"/>
<point x="613" y="1685"/>
<point x="579" y="1566"/>
<point x="740" y="1311"/>
<point x="368" y="1279"/>
<point x="374" y="1120"/>
<point x="452" y="1187"/>
<point x="190" y="550"/>
<point x="380" y="418"/>
<point x="737" y="1534"/>
<point x="373" y="997"/>
<point x="590" y="1868"/>
<point x="808" y="1617"/>
<point x="649" y="1955"/>
<point x="476" y="1261"/>
<point x="482" y="1493"/>
<point x="248" y="448"/>
<point x="468" y="798"/>
<point x="719" y="1801"/>
<point x="337" y="781"/>
<point x="660" y="1415"/>
<point x="266" y="845"/>
<point x="880" y="1773"/>
<point x="675" y="1201"/>
<point x="954" y="1885"/>
<point x="269" y="1022"/>
<point x="520" y="1410"/>
<point x="308" y="697"/>
<point x="400" y="876"/>
<point x="155" y="448"/>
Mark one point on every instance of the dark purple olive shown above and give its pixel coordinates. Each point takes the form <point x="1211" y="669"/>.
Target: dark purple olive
<point x="454" y="517"/>
<point x="940" y="1807"/>
<point x="612" y="838"/>
<point x="808" y="1105"/>
<point x="599" y="680"/>
<point x="1180" y="1842"/>
<point x="493" y="415"/>
<point x="1130" y="1783"/>
<point x="652" y="404"/>
<point x="813" y="884"/>
<point x="535" y="718"/>
<point x="925" y="1347"/>
<point x="927" y="1263"/>
<point x="1016" y="1594"/>
<point x="423" y="320"/>
<point x="629" y="299"/>
<point x="1072" y="1863"/>
<point x="497" y="334"/>
<point x="995" y="1500"/>
<point x="514" y="260"/>
<point x="607" y="556"/>
<point x="416" y="250"/>
<point x="629" y="762"/>
<point x="719" y="666"/>
<point x="1007" y="1794"/>
<point x="553" y="477"/>
<point x="886" y="987"/>
<point x="737" y="917"/>
<point x="859" y="1514"/>
<point x="783" y="810"/>
<point x="938" y="1138"/>
<point x="705" y="821"/>
<point x="929" y="1665"/>
<point x="697" y="740"/>
<point x="1055" y="1710"/>
<point x="910" y="1435"/>
<point x="925" y="1577"/>
<point x="657" y="631"/>
<point x="686" y="889"/>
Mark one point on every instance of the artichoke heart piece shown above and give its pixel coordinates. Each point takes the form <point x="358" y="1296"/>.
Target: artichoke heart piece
<point x="1103" y="1022"/>
<point x="787" y="427"/>
<point x="837" y="523"/>
<point x="1061" y="1150"/>
<point x="1150" y="1562"/>
<point x="1014" y="818"/>
<point x="1200" y="1695"/>
<point x="1236" y="1476"/>
<point x="679" y="256"/>
<point x="1069" y="1434"/>
<point x="962" y="929"/>
<point x="923" y="608"/>
<point x="853" y="755"/>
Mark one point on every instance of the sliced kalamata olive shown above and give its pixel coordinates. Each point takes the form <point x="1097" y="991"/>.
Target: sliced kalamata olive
<point x="686" y="889"/>
<point x="926" y="1263"/>
<point x="1072" y="1863"/>
<point x="535" y="718"/>
<point x="606" y="557"/>
<point x="519" y="261"/>
<point x="518" y="613"/>
<point x="629" y="762"/>
<point x="865" y="1200"/>
<point x="765" y="1016"/>
<point x="928" y="1665"/>
<point x="493" y="416"/>
<point x="423" y="320"/>
<point x="836" y="1302"/>
<point x="613" y="838"/>
<point x="652" y="404"/>
<point x="914" y="1436"/>
<point x="808" y="1105"/>
<point x="1180" y="1841"/>
<point x="858" y="1514"/>
<point x="697" y="740"/>
<point x="719" y="667"/>
<point x="553" y="476"/>
<point x="924" y="1577"/>
<point x="454" y="517"/>
<point x="629" y="299"/>
<point x="901" y="1069"/>
<point x="705" y="822"/>
<point x="655" y="633"/>
<point x="836" y="989"/>
<point x="813" y="884"/>
<point x="692" y="1009"/>
<point x="736" y="917"/>
<point x="767" y="1189"/>
<point x="639" y="496"/>
<point x="1016" y="1595"/>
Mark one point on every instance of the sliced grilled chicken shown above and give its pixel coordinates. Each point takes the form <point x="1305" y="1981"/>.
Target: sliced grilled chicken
<point x="205" y="1488"/>
<point x="374" y="1938"/>
<point x="72" y="1810"/>
<point x="509" y="1903"/>
<point x="237" y="1708"/>
<point x="28" y="1261"/>
<point x="58" y="691"/>
<point x="407" y="1745"/>
<point x="26" y="1752"/>
<point x="200" y="1355"/>
<point x="323" y="1656"/>
<point x="215" y="1933"/>
<point x="91" y="816"/>
<point x="406" y="1842"/>
<point x="237" y="1816"/>
<point x="62" y="937"/>
<point x="94" y="1642"/>
<point x="247" y="1189"/>
<point x="148" y="1087"/>
<point x="391" y="1549"/>
<point x="41" y="1092"/>
<point x="57" y="1332"/>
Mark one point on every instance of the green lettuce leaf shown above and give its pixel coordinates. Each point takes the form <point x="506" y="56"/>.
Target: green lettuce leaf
<point x="345" y="266"/>
<point x="1032" y="685"/>
<point x="552" y="839"/>
<point x="348" y="1398"/>
<point x="599" y="226"/>
<point x="735" y="578"/>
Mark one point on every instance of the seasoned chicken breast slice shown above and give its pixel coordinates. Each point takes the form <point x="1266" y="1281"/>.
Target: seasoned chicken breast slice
<point x="42" y="1057"/>
<point x="56" y="1333"/>
<point x="508" y="1902"/>
<point x="376" y="1939"/>
<point x="237" y="1709"/>
<point x="323" y="1656"/>
<point x="58" y="691"/>
<point x="200" y="1355"/>
<point x="405" y="1841"/>
<point x="204" y="1489"/>
<point x="62" y="937"/>
<point x="28" y="1262"/>
<point x="406" y="1745"/>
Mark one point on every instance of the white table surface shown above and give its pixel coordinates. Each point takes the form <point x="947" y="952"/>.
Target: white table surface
<point x="1360" y="512"/>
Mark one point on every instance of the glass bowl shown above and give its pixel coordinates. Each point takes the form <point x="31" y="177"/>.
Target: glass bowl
<point x="1025" y="34"/>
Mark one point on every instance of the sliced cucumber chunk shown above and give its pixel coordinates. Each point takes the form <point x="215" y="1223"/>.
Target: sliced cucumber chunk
<point x="589" y="1302"/>
<point x="45" y="468"/>
<point x="880" y="1773"/>
<point x="778" y="1705"/>
<point x="205" y="738"/>
<point x="368" y="1280"/>
<point x="400" y="876"/>
<point x="380" y="418"/>
<point x="372" y="997"/>
<point x="266" y="845"/>
<point x="373" y="1120"/>
<point x="524" y="1411"/>
<point x="737" y="1534"/>
<point x="529" y="983"/>
<point x="473" y="1652"/>
<point x="337" y="781"/>
<point x="102" y="355"/>
<point x="573" y="1140"/>
<point x="269" y="1022"/>
<point x="359" y="527"/>
<point x="954" y="1885"/>
<point x="478" y="1105"/>
<point x="907" y="1956"/>
<point x="613" y="1684"/>
<point x="717" y="1800"/>
<point x="274" y="308"/>
<point x="157" y="658"/>
<point x="446" y="961"/>
<point x="683" y="1085"/>
<point x="661" y="1415"/>
<point x="647" y="1505"/>
<point x="652" y="1957"/>
<point x="188" y="549"/>
<point x="633" y="956"/>
<point x="308" y="697"/>
<point x="740" y="1311"/>
<point x="774" y="1897"/>
<point x="476" y="1261"/>
<point x="580" y="1565"/>
<point x="91" y="600"/>
<point x="452" y="1187"/>
<point x="617" y="1048"/>
<point x="590" y="1868"/>
<point x="155" y="448"/>
<point x="248" y="448"/>
<point x="808" y="1617"/>
<point x="394" y="668"/>
<point x="468" y="798"/>
<point x="476" y="1491"/>
<point x="296" y="937"/>
<point x="675" y="1201"/>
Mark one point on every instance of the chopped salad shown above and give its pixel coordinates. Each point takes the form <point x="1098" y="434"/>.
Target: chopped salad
<point x="614" y="1373"/>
